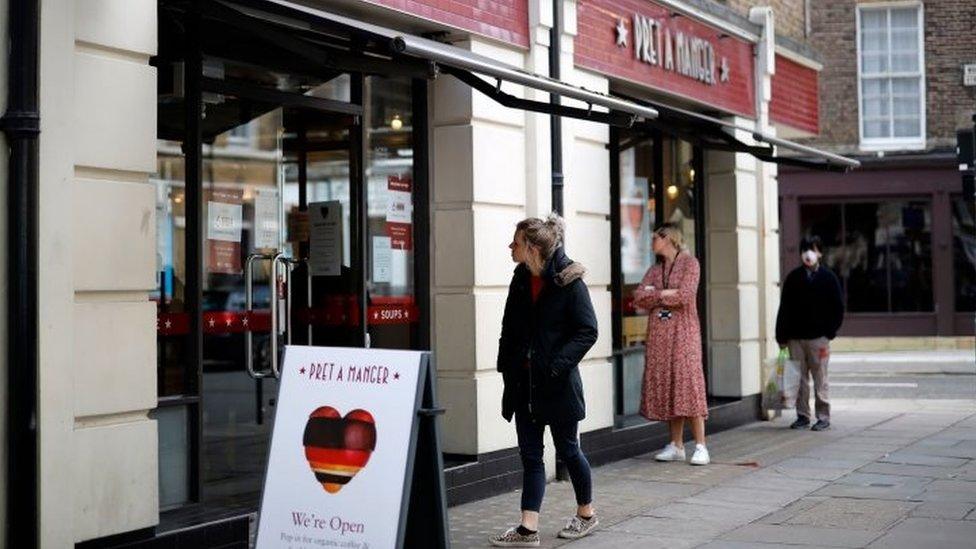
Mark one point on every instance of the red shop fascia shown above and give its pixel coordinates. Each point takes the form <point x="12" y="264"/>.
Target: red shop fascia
<point x="672" y="54"/>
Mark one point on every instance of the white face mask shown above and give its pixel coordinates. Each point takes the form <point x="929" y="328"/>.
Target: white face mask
<point x="809" y="258"/>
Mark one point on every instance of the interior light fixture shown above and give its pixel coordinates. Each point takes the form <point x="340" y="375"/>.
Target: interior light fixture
<point x="396" y="123"/>
<point x="672" y="191"/>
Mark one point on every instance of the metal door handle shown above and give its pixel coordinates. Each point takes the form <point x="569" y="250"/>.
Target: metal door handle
<point x="249" y="309"/>
<point x="288" y="265"/>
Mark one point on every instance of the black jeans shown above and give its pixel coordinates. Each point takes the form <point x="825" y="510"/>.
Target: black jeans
<point x="534" y="470"/>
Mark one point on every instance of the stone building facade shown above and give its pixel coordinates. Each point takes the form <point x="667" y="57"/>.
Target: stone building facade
<point x="136" y="433"/>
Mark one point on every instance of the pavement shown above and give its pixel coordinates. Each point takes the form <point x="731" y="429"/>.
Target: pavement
<point x="897" y="470"/>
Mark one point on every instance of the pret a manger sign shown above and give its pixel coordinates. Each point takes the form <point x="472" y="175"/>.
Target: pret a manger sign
<point x="678" y="52"/>
<point x="651" y="45"/>
<point x="340" y="449"/>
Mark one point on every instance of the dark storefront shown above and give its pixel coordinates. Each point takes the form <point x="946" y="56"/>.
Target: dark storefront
<point x="900" y="239"/>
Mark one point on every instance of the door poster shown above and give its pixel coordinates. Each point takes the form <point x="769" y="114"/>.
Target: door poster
<point x="382" y="260"/>
<point x="266" y="224"/>
<point x="337" y="472"/>
<point x="224" y="213"/>
<point x="325" y="238"/>
<point x="399" y="212"/>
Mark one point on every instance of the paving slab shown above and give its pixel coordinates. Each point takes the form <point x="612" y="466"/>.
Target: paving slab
<point x="849" y="453"/>
<point x="696" y="509"/>
<point x="918" y="533"/>
<point x="951" y="510"/>
<point x="770" y="479"/>
<point x="689" y="529"/>
<point x="924" y="471"/>
<point x="604" y="539"/>
<point x="923" y="459"/>
<point x="646" y="469"/>
<point x="953" y="486"/>
<point x="947" y="495"/>
<point x="856" y="514"/>
<point x="766" y="497"/>
<point x="802" y="535"/>
<point x="726" y="544"/>
<point x="953" y="451"/>
<point x="874" y="486"/>
<point x="791" y="510"/>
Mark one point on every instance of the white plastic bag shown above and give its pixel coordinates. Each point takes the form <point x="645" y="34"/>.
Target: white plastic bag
<point x="781" y="381"/>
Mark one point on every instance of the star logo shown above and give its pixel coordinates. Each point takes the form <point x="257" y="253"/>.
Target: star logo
<point x="621" y="34"/>
<point x="229" y="321"/>
<point x="212" y="323"/>
<point x="396" y="375"/>
<point x="169" y="324"/>
<point x="301" y="370"/>
<point x="724" y="70"/>
<point x="244" y="321"/>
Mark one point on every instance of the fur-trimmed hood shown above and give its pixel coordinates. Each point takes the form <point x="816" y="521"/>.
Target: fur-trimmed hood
<point x="562" y="270"/>
<point x="571" y="273"/>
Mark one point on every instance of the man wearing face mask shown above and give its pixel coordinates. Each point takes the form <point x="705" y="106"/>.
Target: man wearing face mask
<point x="811" y="311"/>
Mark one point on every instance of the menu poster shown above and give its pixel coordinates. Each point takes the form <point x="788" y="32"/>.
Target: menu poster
<point x="343" y="436"/>
<point x="382" y="260"/>
<point x="399" y="212"/>
<point x="266" y="224"/>
<point x="224" y="214"/>
<point x="325" y="238"/>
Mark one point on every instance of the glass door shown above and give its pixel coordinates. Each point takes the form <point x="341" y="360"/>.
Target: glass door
<point x="327" y="192"/>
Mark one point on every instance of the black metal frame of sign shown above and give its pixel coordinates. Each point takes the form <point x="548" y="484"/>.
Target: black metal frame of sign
<point x="423" y="513"/>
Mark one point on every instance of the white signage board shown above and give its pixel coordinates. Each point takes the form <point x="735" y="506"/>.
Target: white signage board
<point x="266" y="226"/>
<point x="382" y="259"/>
<point x="224" y="221"/>
<point x="325" y="238"/>
<point x="339" y="449"/>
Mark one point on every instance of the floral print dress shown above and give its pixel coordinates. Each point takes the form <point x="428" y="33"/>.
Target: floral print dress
<point x="674" y="381"/>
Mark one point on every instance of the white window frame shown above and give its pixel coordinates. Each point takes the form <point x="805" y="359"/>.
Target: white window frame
<point x="892" y="143"/>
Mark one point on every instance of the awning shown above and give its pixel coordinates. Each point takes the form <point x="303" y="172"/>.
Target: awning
<point x="314" y="34"/>
<point x="452" y="60"/>
<point x="717" y="134"/>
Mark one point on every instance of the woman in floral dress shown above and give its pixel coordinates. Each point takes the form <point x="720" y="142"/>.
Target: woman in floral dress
<point x="673" y="389"/>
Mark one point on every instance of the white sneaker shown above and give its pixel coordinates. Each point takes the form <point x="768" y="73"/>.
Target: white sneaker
<point x="700" y="456"/>
<point x="671" y="453"/>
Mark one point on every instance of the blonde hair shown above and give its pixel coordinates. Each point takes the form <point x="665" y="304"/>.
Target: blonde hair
<point x="547" y="235"/>
<point x="672" y="232"/>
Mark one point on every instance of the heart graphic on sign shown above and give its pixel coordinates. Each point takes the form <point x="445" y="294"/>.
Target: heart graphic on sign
<point x="338" y="447"/>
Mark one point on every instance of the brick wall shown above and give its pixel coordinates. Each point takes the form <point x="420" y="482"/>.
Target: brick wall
<point x="504" y="20"/>
<point x="950" y="41"/>
<point x="790" y="19"/>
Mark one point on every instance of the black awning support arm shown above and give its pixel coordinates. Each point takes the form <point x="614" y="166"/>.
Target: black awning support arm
<point x="494" y="91"/>
<point x="314" y="53"/>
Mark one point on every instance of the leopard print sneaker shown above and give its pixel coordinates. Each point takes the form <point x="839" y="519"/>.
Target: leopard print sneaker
<point x="578" y="527"/>
<point x="512" y="538"/>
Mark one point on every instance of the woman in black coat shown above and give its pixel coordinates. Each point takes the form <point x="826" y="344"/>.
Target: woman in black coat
<point x="548" y="327"/>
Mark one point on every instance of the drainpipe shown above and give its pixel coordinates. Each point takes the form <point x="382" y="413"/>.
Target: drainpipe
<point x="765" y="68"/>
<point x="21" y="125"/>
<point x="556" y="123"/>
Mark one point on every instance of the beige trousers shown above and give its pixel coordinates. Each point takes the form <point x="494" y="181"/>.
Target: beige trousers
<point x="812" y="355"/>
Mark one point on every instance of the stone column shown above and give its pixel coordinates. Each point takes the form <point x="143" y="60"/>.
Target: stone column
<point x="479" y="192"/>
<point x="97" y="263"/>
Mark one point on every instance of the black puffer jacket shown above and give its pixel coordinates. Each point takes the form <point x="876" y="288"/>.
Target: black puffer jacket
<point x="811" y="306"/>
<point x="551" y="336"/>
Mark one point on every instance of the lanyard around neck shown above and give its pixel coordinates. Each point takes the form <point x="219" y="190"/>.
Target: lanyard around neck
<point x="667" y="278"/>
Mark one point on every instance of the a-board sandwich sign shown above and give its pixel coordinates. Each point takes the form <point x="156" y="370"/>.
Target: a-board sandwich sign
<point x="343" y="449"/>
